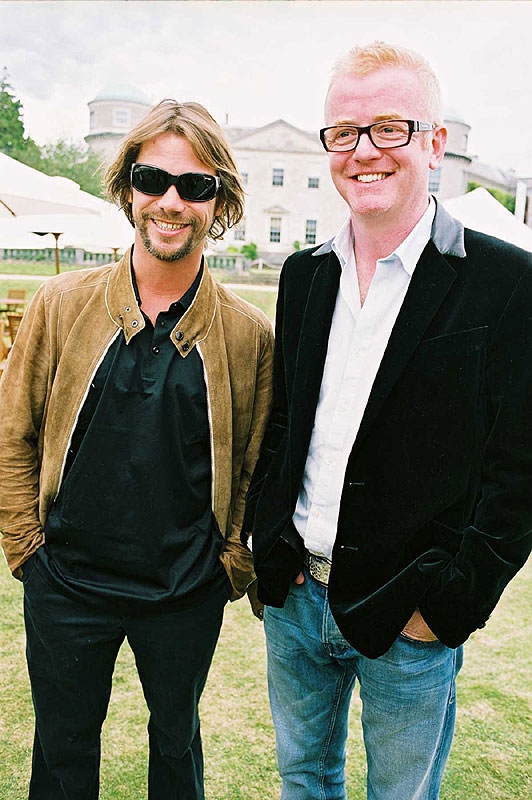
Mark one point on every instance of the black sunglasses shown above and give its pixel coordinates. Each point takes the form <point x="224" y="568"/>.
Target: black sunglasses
<point x="198" y="187"/>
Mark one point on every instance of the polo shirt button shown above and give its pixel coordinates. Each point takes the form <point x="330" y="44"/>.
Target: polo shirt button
<point x="179" y="335"/>
<point x="155" y="350"/>
<point x="134" y="323"/>
<point x="186" y="347"/>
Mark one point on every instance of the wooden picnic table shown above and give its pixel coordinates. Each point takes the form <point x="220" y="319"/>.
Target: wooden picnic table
<point x="12" y="304"/>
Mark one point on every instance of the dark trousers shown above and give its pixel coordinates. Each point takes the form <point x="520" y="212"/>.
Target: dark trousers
<point x="73" y="640"/>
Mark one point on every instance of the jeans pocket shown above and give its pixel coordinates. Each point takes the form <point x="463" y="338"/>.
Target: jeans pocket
<point x="27" y="568"/>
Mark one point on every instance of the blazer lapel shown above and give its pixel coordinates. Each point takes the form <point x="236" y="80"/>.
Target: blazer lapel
<point x="432" y="279"/>
<point x="312" y="347"/>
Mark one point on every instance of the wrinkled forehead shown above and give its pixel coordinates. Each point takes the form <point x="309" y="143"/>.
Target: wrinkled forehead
<point x="384" y="93"/>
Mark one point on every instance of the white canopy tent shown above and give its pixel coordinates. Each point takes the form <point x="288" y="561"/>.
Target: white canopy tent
<point x="105" y="232"/>
<point x="480" y="211"/>
<point x="33" y="203"/>
<point x="24" y="190"/>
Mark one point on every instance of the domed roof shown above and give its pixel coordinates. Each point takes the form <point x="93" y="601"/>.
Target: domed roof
<point x="123" y="92"/>
<point x="450" y="114"/>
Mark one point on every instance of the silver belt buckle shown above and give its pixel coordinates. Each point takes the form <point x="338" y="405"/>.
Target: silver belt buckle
<point x="319" y="567"/>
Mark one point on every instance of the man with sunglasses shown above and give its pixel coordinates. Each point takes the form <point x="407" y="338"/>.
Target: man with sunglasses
<point x="133" y="406"/>
<point x="392" y="500"/>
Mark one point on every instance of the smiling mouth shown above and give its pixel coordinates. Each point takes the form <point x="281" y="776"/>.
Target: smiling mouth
<point x="371" y="177"/>
<point x="164" y="225"/>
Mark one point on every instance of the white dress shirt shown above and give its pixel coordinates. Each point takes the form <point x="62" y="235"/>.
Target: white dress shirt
<point x="357" y="341"/>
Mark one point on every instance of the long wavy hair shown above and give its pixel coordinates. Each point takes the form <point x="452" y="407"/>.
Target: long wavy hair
<point x="192" y="121"/>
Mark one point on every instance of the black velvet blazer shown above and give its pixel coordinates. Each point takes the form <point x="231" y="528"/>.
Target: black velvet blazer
<point x="436" y="508"/>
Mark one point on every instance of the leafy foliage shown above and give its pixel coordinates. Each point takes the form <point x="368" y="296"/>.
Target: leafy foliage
<point x="75" y="161"/>
<point x="13" y="141"/>
<point x="65" y="158"/>
<point x="249" y="250"/>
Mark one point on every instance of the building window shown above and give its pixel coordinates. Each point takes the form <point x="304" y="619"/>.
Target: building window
<point x="434" y="179"/>
<point x="313" y="183"/>
<point x="310" y="231"/>
<point x="121" y="118"/>
<point x="277" y="177"/>
<point x="244" y="176"/>
<point x="240" y="231"/>
<point x="275" y="229"/>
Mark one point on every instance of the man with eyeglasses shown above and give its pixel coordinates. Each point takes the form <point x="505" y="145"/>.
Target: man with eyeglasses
<point x="133" y="406"/>
<point x="392" y="500"/>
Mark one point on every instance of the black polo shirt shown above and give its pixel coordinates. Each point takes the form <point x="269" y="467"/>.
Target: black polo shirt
<point x="133" y="515"/>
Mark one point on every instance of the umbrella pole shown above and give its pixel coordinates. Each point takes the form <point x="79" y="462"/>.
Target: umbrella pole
<point x="56" y="236"/>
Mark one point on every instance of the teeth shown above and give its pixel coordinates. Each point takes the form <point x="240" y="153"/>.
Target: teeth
<point x="371" y="177"/>
<point x="168" y="226"/>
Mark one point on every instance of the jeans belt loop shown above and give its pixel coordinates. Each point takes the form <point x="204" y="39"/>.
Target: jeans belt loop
<point x="318" y="566"/>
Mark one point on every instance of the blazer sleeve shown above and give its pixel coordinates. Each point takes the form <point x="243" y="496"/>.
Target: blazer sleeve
<point x="497" y="543"/>
<point x="277" y="424"/>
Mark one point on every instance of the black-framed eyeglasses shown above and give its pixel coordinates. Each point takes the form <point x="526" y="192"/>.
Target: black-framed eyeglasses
<point x="384" y="135"/>
<point x="197" y="187"/>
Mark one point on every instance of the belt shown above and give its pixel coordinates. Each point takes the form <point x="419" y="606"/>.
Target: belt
<point x="318" y="566"/>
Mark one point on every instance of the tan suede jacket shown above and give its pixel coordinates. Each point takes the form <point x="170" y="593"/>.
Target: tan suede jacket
<point x="62" y="340"/>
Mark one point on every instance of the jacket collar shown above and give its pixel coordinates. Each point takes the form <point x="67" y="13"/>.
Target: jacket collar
<point x="447" y="233"/>
<point x="124" y="310"/>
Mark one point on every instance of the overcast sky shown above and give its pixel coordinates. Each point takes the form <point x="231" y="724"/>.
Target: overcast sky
<point x="261" y="61"/>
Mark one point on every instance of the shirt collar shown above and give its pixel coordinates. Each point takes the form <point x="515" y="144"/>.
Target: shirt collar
<point x="410" y="249"/>
<point x="447" y="234"/>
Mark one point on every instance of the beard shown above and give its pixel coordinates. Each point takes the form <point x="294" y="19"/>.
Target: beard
<point x="197" y="234"/>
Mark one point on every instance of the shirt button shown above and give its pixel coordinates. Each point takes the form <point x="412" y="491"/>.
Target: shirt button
<point x="179" y="335"/>
<point x="134" y="323"/>
<point x="186" y="346"/>
<point x="155" y="350"/>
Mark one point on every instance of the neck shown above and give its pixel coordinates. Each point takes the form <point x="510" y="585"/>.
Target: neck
<point x="376" y="237"/>
<point x="163" y="282"/>
<point x="165" y="277"/>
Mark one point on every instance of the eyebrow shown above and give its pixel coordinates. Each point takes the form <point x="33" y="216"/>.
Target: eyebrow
<point x="378" y="118"/>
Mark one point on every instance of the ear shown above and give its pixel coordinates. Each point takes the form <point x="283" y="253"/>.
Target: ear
<point x="437" y="145"/>
<point x="219" y="208"/>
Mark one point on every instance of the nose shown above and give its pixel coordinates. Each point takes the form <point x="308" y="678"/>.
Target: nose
<point x="171" y="201"/>
<point x="365" y="149"/>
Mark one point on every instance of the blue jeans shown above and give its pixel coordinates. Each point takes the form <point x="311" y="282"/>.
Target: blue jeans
<point x="408" y="704"/>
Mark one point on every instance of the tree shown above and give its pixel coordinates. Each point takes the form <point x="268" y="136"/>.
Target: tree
<point x="75" y="161"/>
<point x="13" y="141"/>
<point x="64" y="158"/>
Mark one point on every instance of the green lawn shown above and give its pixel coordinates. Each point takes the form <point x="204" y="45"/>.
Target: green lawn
<point x="491" y="758"/>
<point x="35" y="267"/>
